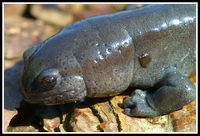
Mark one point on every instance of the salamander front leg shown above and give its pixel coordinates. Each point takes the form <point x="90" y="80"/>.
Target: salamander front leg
<point x="174" y="92"/>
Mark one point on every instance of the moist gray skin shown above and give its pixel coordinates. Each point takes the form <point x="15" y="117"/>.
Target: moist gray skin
<point x="151" y="47"/>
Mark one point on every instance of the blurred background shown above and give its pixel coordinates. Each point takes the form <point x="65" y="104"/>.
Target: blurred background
<point x="61" y="15"/>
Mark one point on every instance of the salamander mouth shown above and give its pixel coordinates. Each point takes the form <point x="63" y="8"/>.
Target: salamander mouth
<point x="50" y="100"/>
<point x="56" y="99"/>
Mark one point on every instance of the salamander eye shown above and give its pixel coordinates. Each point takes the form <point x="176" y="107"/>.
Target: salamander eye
<point x="48" y="82"/>
<point x="49" y="79"/>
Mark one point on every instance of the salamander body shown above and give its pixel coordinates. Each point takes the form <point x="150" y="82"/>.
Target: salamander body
<point x="151" y="47"/>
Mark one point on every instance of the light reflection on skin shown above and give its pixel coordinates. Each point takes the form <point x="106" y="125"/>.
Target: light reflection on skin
<point x="174" y="22"/>
<point x="78" y="77"/>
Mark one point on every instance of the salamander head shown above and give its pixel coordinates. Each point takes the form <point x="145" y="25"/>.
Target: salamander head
<point x="50" y="76"/>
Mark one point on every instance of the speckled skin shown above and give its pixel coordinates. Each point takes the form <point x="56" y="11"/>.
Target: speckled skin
<point x="150" y="47"/>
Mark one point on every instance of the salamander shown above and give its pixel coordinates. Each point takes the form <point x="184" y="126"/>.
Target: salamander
<point x="152" y="48"/>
